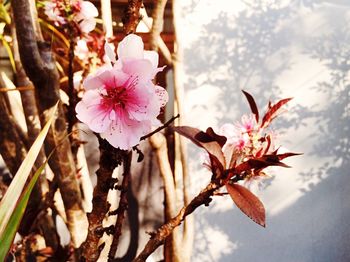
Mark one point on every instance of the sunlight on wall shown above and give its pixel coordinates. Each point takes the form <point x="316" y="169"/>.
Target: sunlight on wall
<point x="275" y="49"/>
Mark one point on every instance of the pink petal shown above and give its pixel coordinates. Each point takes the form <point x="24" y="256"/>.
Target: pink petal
<point x="90" y="112"/>
<point x="131" y="47"/>
<point x="110" y="52"/>
<point x="88" y="9"/>
<point x="87" y="25"/>
<point x="105" y="77"/>
<point x="152" y="56"/>
<point x="141" y="68"/>
<point x="162" y="95"/>
<point x="228" y="130"/>
<point x="125" y="133"/>
<point x="98" y="80"/>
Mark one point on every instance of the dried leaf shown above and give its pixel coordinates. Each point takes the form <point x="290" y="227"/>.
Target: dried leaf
<point x="272" y="112"/>
<point x="252" y="105"/>
<point x="247" y="202"/>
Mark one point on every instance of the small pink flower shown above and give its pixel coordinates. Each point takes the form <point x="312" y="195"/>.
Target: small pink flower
<point x="82" y="13"/>
<point x="248" y="123"/>
<point x="86" y="16"/>
<point x="121" y="102"/>
<point x="81" y="50"/>
<point x="53" y="12"/>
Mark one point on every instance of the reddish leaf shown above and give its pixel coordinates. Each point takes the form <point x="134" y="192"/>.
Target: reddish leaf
<point x="289" y="154"/>
<point x="252" y="105"/>
<point x="257" y="163"/>
<point x="212" y="147"/>
<point x="264" y="162"/>
<point x="247" y="202"/>
<point x="272" y="112"/>
<point x="209" y="136"/>
<point x="268" y="138"/>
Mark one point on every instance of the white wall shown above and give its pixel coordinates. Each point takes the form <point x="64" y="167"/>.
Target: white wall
<point x="275" y="49"/>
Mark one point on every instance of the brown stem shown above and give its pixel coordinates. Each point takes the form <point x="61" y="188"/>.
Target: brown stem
<point x="157" y="25"/>
<point x="158" y="238"/>
<point x="132" y="16"/>
<point x="159" y="144"/>
<point x="71" y="90"/>
<point x="110" y="158"/>
<point x="165" y="125"/>
<point x="123" y="205"/>
<point x="161" y="44"/>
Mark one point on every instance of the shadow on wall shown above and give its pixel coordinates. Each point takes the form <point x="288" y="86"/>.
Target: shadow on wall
<point x="250" y="51"/>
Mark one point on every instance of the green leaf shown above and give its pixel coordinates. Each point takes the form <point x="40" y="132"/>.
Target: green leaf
<point x="10" y="202"/>
<point x="10" y="230"/>
<point x="9" y="52"/>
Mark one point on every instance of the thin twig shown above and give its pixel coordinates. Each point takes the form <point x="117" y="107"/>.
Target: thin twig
<point x="166" y="124"/>
<point x="71" y="90"/>
<point x="19" y="88"/>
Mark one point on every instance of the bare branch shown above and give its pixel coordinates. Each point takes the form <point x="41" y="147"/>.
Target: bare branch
<point x="157" y="25"/>
<point x="158" y="238"/>
<point x="161" y="45"/>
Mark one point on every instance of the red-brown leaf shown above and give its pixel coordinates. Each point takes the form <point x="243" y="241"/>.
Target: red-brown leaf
<point x="247" y="202"/>
<point x="289" y="154"/>
<point x="252" y="105"/>
<point x="213" y="148"/>
<point x="209" y="135"/>
<point x="273" y="111"/>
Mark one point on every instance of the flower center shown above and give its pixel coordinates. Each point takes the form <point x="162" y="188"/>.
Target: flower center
<point x="117" y="97"/>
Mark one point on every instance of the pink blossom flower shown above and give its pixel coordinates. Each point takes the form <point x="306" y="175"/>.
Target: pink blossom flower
<point x="82" y="13"/>
<point x="121" y="102"/>
<point x="53" y="11"/>
<point x="81" y="50"/>
<point x="86" y="16"/>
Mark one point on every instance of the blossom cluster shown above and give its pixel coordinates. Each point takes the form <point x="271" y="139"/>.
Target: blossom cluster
<point x="246" y="139"/>
<point x="121" y="102"/>
<point x="81" y="13"/>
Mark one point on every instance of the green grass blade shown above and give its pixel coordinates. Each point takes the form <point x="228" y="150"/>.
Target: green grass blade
<point x="13" y="193"/>
<point x="10" y="230"/>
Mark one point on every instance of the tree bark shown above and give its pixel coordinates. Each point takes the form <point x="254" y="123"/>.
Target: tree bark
<point x="110" y="158"/>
